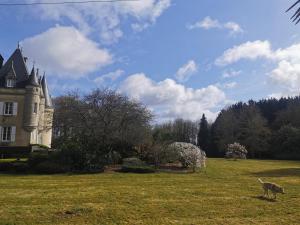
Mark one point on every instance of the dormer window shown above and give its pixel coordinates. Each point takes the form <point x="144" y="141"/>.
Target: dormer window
<point x="10" y="83"/>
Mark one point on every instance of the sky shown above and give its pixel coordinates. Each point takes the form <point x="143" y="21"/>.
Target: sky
<point x="181" y="58"/>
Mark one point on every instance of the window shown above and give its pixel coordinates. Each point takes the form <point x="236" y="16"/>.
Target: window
<point x="6" y="134"/>
<point x="35" y="108"/>
<point x="10" y="83"/>
<point x="8" y="108"/>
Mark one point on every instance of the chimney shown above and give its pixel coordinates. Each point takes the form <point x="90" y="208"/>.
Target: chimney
<point x="1" y="61"/>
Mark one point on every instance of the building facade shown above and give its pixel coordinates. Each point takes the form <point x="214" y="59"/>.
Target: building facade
<point x="26" y="110"/>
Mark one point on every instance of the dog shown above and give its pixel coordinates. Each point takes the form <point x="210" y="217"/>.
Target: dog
<point x="274" y="188"/>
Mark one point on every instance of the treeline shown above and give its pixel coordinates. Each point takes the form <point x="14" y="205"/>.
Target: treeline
<point x="105" y="125"/>
<point x="268" y="128"/>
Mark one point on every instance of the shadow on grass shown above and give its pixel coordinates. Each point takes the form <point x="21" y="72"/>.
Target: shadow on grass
<point x="288" y="172"/>
<point x="263" y="198"/>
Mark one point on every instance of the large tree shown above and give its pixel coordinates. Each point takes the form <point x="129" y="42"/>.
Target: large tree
<point x="179" y="130"/>
<point x="253" y="131"/>
<point x="203" y="134"/>
<point x="102" y="122"/>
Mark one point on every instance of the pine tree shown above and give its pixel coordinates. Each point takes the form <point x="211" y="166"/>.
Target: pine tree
<point x="203" y="134"/>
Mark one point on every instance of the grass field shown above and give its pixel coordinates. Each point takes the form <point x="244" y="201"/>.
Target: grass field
<point x="226" y="193"/>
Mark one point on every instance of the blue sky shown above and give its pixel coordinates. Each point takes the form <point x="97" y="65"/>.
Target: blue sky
<point x="180" y="58"/>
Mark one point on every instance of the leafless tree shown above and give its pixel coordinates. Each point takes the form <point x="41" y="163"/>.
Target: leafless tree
<point x="102" y="122"/>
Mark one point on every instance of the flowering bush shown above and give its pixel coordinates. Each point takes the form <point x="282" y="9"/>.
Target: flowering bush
<point x="189" y="155"/>
<point x="236" y="151"/>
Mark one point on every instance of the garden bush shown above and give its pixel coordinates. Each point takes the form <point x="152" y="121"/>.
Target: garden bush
<point x="135" y="165"/>
<point x="14" y="167"/>
<point x="72" y="156"/>
<point x="36" y="158"/>
<point x="189" y="155"/>
<point x="49" y="167"/>
<point x="137" y="169"/>
<point x="5" y="166"/>
<point x="133" y="162"/>
<point x="236" y="151"/>
<point x="19" y="167"/>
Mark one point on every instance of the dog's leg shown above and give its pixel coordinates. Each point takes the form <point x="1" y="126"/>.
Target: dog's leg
<point x="265" y="193"/>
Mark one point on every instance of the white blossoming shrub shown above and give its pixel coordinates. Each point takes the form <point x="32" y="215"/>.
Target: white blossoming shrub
<point x="236" y="151"/>
<point x="189" y="155"/>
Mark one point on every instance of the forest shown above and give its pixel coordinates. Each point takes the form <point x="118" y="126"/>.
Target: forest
<point x="268" y="128"/>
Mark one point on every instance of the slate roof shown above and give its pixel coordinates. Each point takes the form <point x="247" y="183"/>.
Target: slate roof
<point x="32" y="80"/>
<point x="48" y="101"/>
<point x="16" y="67"/>
<point x="19" y="66"/>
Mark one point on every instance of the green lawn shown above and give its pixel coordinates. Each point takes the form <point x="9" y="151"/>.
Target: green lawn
<point x="227" y="193"/>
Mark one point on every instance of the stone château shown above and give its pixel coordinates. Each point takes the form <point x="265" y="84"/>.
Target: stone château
<point x="26" y="109"/>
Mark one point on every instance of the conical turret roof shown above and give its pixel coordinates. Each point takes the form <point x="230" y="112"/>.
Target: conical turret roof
<point x="48" y="101"/>
<point x="33" y="79"/>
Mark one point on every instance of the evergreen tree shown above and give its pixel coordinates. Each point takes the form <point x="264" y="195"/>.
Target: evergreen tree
<point x="203" y="134"/>
<point x="253" y="132"/>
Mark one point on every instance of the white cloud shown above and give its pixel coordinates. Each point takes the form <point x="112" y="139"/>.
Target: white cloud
<point x="66" y="52"/>
<point x="231" y="73"/>
<point x="248" y="50"/>
<point x="230" y="85"/>
<point x="171" y="100"/>
<point x="105" y="18"/>
<point x="112" y="76"/>
<point x="286" y="74"/>
<point x="208" y="23"/>
<point x="233" y="27"/>
<point x="186" y="71"/>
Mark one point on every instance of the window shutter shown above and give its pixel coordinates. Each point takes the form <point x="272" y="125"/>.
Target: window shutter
<point x="1" y="108"/>
<point x="13" y="134"/>
<point x="15" y="109"/>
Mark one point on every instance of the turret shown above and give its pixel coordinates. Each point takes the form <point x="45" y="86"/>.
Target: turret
<point x="41" y="107"/>
<point x="48" y="101"/>
<point x="32" y="102"/>
<point x="48" y="114"/>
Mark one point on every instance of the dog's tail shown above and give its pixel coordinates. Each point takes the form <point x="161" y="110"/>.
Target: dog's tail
<point x="260" y="180"/>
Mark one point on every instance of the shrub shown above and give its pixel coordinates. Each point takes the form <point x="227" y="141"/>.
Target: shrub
<point x="19" y="167"/>
<point x="135" y="165"/>
<point x="72" y="156"/>
<point x="137" y="169"/>
<point x="236" y="151"/>
<point x="189" y="155"/>
<point x="14" y="167"/>
<point x="113" y="157"/>
<point x="133" y="162"/>
<point x="37" y="158"/>
<point x="161" y="154"/>
<point x="49" y="167"/>
<point x="5" y="166"/>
